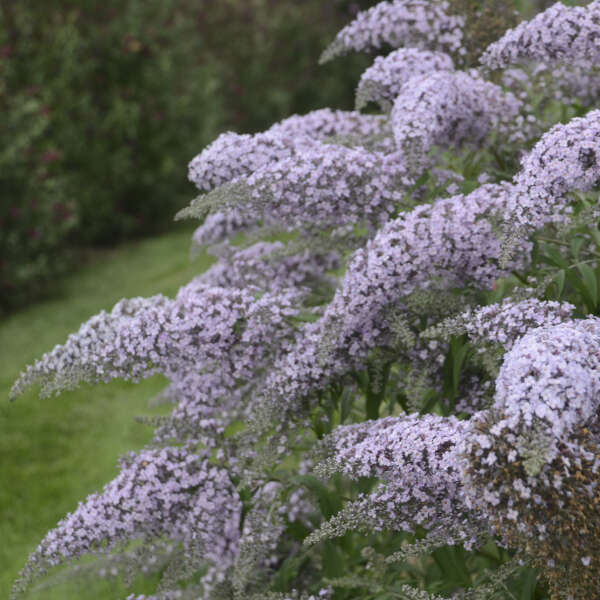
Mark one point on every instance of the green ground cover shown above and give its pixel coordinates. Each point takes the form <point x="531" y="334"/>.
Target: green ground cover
<point x="54" y="452"/>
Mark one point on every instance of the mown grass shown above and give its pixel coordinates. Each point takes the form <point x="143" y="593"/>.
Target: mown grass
<point x="54" y="452"/>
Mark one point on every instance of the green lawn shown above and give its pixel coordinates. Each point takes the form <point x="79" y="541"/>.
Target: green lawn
<point x="55" y="452"/>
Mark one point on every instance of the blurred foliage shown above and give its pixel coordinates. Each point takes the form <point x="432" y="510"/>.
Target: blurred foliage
<point x="105" y="102"/>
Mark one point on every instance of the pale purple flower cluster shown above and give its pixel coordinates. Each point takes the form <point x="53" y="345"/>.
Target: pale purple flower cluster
<point x="202" y="326"/>
<point x="417" y="457"/>
<point x="416" y="450"/>
<point x="448" y="108"/>
<point x="394" y="507"/>
<point x="560" y="33"/>
<point x="532" y="462"/>
<point x="564" y="160"/>
<point x="550" y="379"/>
<point x="505" y="323"/>
<point x="327" y="123"/>
<point x="79" y="359"/>
<point x="384" y="80"/>
<point x="205" y="404"/>
<point x="267" y="266"/>
<point x="234" y="155"/>
<point x="397" y="23"/>
<point x="325" y="186"/>
<point x="164" y="492"/>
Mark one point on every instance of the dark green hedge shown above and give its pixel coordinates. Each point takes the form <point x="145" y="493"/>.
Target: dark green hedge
<point x="104" y="102"/>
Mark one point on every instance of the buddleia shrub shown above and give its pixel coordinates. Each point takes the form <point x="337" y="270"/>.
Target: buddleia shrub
<point x="387" y="385"/>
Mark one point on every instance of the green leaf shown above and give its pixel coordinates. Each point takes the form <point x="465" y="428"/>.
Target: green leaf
<point x="591" y="283"/>
<point x="527" y="585"/>
<point x="460" y="356"/>
<point x="576" y="244"/>
<point x="595" y="233"/>
<point x="452" y="562"/>
<point x="287" y="572"/>
<point x="559" y="281"/>
<point x="328" y="500"/>
<point x="581" y="286"/>
<point x="553" y="257"/>
<point x="346" y="404"/>
<point x="431" y="397"/>
<point x="333" y="560"/>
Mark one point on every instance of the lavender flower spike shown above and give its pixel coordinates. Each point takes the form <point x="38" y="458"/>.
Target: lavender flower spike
<point x="324" y="186"/>
<point x="418" y="23"/>
<point x="560" y="33"/>
<point x="417" y="456"/>
<point x="564" y="160"/>
<point x="234" y="155"/>
<point x="448" y="108"/>
<point x="326" y="123"/>
<point x="167" y="492"/>
<point x="417" y="450"/>
<point x="384" y="80"/>
<point x="504" y="323"/>
<point x="203" y="326"/>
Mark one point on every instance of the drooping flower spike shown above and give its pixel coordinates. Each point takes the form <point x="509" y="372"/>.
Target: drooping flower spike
<point x="165" y="492"/>
<point x="384" y="80"/>
<point x="234" y="155"/>
<point x="448" y="108"/>
<point x="202" y="327"/>
<point x="397" y="23"/>
<point x="324" y="186"/>
<point x="325" y="123"/>
<point x="504" y="323"/>
<point x="417" y="457"/>
<point x="559" y="34"/>
<point x="564" y="160"/>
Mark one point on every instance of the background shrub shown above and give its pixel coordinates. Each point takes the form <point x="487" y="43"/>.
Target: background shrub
<point x="106" y="101"/>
